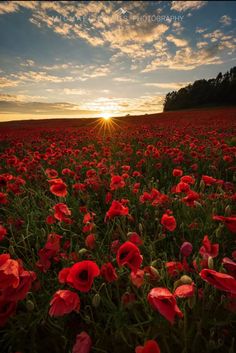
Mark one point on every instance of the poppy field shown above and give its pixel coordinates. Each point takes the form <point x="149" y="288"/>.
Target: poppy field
<point x="119" y="235"/>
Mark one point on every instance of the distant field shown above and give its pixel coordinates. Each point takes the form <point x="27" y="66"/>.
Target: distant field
<point x="194" y="115"/>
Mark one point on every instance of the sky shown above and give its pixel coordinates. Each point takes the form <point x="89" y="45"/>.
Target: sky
<point x="99" y="58"/>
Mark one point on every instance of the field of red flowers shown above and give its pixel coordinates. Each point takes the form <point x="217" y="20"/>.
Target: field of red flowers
<point x="119" y="236"/>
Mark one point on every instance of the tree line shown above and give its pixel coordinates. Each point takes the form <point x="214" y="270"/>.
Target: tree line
<point x="215" y="91"/>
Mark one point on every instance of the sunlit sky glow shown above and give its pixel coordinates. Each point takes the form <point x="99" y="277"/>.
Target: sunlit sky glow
<point x="86" y="59"/>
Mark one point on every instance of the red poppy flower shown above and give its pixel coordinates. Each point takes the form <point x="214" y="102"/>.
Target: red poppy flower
<point x="117" y="182"/>
<point x="82" y="274"/>
<point x="9" y="272"/>
<point x="185" y="291"/>
<point x="162" y="300"/>
<point x="187" y="179"/>
<point x="135" y="238"/>
<point x="50" y="219"/>
<point x="3" y="198"/>
<point x="3" y="232"/>
<point x="230" y="222"/>
<point x="173" y="268"/>
<point x="51" y="173"/>
<point x="150" y="346"/>
<point x="186" y="249"/>
<point x="58" y="187"/>
<point x="19" y="293"/>
<point x="53" y="244"/>
<point x="115" y="246"/>
<point x="208" y="180"/>
<point x="116" y="209"/>
<point x="129" y="255"/>
<point x="190" y="199"/>
<point x="90" y="241"/>
<point x="63" y="274"/>
<point x="83" y="343"/>
<point x="177" y="172"/>
<point x="230" y="266"/>
<point x="219" y="280"/>
<point x="182" y="187"/>
<point x="128" y="298"/>
<point x="208" y="249"/>
<point x="168" y="222"/>
<point x="61" y="210"/>
<point x="108" y="272"/>
<point x="64" y="302"/>
<point x="137" y="278"/>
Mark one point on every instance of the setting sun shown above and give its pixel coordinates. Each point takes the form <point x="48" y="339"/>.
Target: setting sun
<point x="106" y="116"/>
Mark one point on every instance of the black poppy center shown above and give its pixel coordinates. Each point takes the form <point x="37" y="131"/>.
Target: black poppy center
<point x="83" y="275"/>
<point x="123" y="255"/>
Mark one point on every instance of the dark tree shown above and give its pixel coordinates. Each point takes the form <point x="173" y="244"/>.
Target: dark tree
<point x="215" y="91"/>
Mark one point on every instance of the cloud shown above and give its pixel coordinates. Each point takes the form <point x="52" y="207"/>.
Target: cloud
<point x="124" y="79"/>
<point x="60" y="67"/>
<point x="200" y="30"/>
<point x="214" y="36"/>
<point x="185" y="59"/>
<point x="8" y="7"/>
<point x="8" y="105"/>
<point x="145" y="31"/>
<point x="177" y="41"/>
<point x="225" y="20"/>
<point x="14" y="6"/>
<point x="28" y="63"/>
<point x="201" y="45"/>
<point x="177" y="28"/>
<point x="74" y="91"/>
<point x="6" y="82"/>
<point x="40" y="76"/>
<point x="187" y="5"/>
<point x="123" y="106"/>
<point x="167" y="85"/>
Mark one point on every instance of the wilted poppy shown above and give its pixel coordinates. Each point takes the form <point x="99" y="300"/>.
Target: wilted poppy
<point x="219" y="280"/>
<point x="108" y="272"/>
<point x="185" y="291"/>
<point x="162" y="300"/>
<point x="64" y="302"/>
<point x="83" y="343"/>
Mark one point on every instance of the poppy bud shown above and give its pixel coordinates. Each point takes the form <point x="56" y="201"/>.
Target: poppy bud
<point x="140" y="227"/>
<point x="219" y="230"/>
<point x="185" y="279"/>
<point x="154" y="263"/>
<point x="82" y="251"/>
<point x="202" y="186"/>
<point x="210" y="263"/>
<point x="11" y="250"/>
<point x="186" y="249"/>
<point x="177" y="284"/>
<point x="87" y="319"/>
<point x="214" y="211"/>
<point x="96" y="300"/>
<point x="30" y="305"/>
<point x="228" y="211"/>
